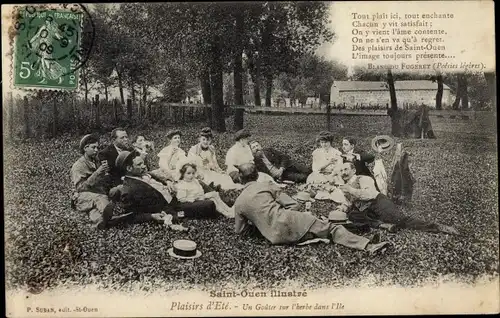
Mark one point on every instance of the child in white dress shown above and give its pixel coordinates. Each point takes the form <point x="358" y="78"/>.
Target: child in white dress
<point x="189" y="189"/>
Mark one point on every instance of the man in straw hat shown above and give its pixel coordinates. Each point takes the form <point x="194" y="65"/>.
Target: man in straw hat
<point x="91" y="183"/>
<point x="367" y="206"/>
<point x="258" y="203"/>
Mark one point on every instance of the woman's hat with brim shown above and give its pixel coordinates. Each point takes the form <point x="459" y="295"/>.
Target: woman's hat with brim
<point x="184" y="249"/>
<point x="172" y="133"/>
<point x="206" y="132"/>
<point x="325" y="135"/>
<point x="240" y="134"/>
<point x="303" y="196"/>
<point x="387" y="142"/>
<point x="87" y="139"/>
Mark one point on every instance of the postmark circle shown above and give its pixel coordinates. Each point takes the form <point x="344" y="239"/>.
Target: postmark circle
<point x="55" y="35"/>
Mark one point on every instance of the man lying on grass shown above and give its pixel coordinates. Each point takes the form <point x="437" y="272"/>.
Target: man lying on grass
<point x="145" y="195"/>
<point x="259" y="204"/>
<point x="368" y="207"/>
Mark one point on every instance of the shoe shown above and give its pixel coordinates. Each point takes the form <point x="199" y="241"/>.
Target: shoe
<point x="391" y="228"/>
<point x="375" y="239"/>
<point x="375" y="248"/>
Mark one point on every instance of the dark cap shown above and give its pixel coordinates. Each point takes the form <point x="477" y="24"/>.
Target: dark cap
<point x="87" y="139"/>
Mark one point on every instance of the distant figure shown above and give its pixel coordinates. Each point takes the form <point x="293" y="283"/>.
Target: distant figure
<point x="258" y="206"/>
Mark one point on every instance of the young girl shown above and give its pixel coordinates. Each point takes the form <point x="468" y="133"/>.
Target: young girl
<point x="190" y="190"/>
<point x="172" y="155"/>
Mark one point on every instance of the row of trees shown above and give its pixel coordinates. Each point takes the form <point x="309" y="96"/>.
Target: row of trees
<point x="176" y="46"/>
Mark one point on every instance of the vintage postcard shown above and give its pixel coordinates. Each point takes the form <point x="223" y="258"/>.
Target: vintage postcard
<point x="250" y="159"/>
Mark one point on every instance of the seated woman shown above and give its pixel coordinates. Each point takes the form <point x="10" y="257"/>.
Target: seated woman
<point x="172" y="155"/>
<point x="241" y="153"/>
<point x="190" y="191"/>
<point x="326" y="161"/>
<point x="203" y="154"/>
<point x="145" y="148"/>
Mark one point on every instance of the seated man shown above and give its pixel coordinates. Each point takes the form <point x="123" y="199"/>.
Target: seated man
<point x="91" y="181"/>
<point x="121" y="143"/>
<point x="145" y="195"/>
<point x="277" y="164"/>
<point x="259" y="204"/>
<point x="367" y="206"/>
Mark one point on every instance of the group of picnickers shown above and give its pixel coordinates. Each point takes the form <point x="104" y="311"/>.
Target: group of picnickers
<point x="116" y="185"/>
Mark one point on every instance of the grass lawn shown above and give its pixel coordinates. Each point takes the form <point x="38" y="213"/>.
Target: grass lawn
<point x="456" y="185"/>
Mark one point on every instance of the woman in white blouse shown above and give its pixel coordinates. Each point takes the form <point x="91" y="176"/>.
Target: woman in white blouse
<point x="326" y="161"/>
<point x="203" y="154"/>
<point x="171" y="156"/>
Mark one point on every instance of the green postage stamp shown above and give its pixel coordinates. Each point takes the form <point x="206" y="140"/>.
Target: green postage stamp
<point x="47" y="47"/>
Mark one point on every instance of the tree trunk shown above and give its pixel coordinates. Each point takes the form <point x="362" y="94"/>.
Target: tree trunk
<point x="458" y="97"/>
<point x="491" y="81"/>
<point x="392" y="91"/>
<point x="134" y="102"/>
<point x="465" y="94"/>
<point x="206" y="91"/>
<point x="144" y="100"/>
<point x="97" y="112"/>
<point x="238" y="74"/>
<point x="26" y="115"/>
<point x="216" y="81"/>
<point x="269" y="88"/>
<point x="120" y="87"/>
<point x="254" y="67"/>
<point x="106" y="93"/>
<point x="129" y="109"/>
<point x="394" y="112"/>
<point x="115" y="110"/>
<point x="439" y="94"/>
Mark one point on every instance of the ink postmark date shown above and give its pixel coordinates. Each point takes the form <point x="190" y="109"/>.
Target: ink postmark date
<point x="48" y="46"/>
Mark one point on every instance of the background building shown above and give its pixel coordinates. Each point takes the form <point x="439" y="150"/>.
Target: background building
<point x="359" y="94"/>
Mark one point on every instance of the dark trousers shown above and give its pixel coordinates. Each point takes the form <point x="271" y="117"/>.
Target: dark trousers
<point x="383" y="210"/>
<point x="197" y="209"/>
<point x="297" y="173"/>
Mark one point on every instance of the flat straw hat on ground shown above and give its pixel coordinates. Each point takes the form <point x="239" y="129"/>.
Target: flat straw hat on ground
<point x="184" y="249"/>
<point x="303" y="196"/>
<point x="384" y="140"/>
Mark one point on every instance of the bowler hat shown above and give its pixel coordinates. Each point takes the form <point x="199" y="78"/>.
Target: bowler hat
<point x="184" y="249"/>
<point x="87" y="139"/>
<point x="240" y="134"/>
<point x="173" y="132"/>
<point x="383" y="140"/>
<point x="122" y="158"/>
